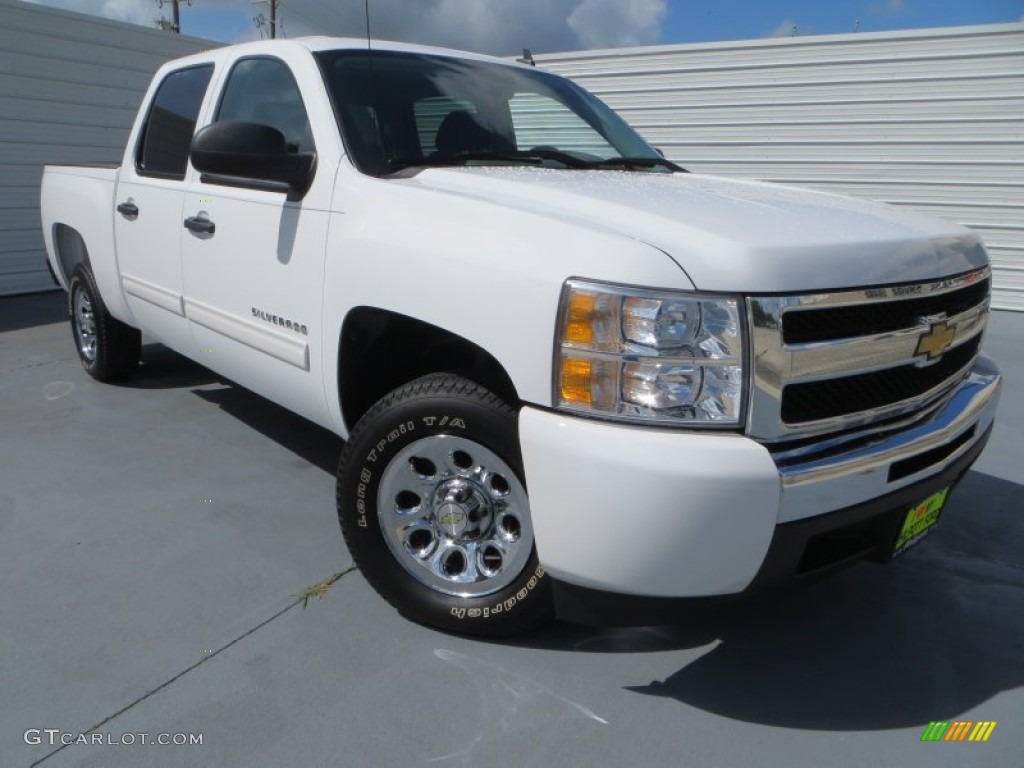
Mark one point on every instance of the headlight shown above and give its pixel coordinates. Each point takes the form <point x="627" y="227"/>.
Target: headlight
<point x="650" y="356"/>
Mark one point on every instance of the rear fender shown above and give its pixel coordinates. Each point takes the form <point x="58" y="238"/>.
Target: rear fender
<point x="78" y="227"/>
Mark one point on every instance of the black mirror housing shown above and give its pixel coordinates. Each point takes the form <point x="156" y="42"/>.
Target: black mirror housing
<point x="250" y="151"/>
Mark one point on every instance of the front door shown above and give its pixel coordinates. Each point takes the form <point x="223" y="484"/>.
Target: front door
<point x="254" y="259"/>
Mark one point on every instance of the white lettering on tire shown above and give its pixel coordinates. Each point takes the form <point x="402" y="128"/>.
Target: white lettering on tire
<point x="503" y="606"/>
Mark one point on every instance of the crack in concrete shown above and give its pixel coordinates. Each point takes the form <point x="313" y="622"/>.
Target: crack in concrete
<point x="299" y="600"/>
<point x="26" y="366"/>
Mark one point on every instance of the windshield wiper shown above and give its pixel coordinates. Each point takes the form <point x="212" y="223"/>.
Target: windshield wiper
<point x="634" y="163"/>
<point x="533" y="156"/>
<point x="395" y="164"/>
<point x="529" y="156"/>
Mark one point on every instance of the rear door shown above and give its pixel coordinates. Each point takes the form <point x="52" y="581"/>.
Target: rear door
<point x="149" y="199"/>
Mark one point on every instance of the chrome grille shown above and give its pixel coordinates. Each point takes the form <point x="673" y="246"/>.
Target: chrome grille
<point x="878" y="317"/>
<point x="825" y="399"/>
<point x="835" y="362"/>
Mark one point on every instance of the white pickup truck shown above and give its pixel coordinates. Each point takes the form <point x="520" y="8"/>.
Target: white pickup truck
<point x="571" y="376"/>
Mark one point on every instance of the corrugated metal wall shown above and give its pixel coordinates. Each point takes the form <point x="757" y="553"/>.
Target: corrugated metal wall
<point x="929" y="119"/>
<point x="70" y="85"/>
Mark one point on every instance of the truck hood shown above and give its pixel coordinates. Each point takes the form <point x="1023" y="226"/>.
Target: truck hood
<point x="732" y="235"/>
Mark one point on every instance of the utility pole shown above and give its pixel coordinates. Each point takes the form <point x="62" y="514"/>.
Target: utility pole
<point x="261" y="20"/>
<point x="174" y="24"/>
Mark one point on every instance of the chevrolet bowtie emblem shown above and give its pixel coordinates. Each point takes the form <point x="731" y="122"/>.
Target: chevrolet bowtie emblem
<point x="936" y="341"/>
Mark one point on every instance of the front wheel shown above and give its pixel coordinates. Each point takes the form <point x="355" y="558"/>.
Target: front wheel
<point x="435" y="513"/>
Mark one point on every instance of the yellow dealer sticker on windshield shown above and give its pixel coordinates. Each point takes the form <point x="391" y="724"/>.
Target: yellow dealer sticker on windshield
<point x="919" y="521"/>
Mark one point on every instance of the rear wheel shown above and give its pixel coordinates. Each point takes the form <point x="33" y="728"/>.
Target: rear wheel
<point x="435" y="513"/>
<point x="107" y="348"/>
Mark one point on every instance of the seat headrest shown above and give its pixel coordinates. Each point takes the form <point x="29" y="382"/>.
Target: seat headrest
<point x="461" y="132"/>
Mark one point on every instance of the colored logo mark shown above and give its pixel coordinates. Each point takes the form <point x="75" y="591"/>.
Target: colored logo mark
<point x="959" y="730"/>
<point x="936" y="341"/>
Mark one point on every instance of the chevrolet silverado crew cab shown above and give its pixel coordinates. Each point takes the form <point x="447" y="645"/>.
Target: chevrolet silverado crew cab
<point x="568" y="372"/>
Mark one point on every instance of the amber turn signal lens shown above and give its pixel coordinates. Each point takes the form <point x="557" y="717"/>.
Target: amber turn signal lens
<point x="580" y="326"/>
<point x="576" y="381"/>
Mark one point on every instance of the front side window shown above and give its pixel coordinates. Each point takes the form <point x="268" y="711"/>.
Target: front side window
<point x="399" y="109"/>
<point x="167" y="134"/>
<point x="262" y="90"/>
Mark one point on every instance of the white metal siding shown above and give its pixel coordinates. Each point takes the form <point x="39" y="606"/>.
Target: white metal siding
<point x="929" y="119"/>
<point x="539" y="119"/>
<point x="70" y="85"/>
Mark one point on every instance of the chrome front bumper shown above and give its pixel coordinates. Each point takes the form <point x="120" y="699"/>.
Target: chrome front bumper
<point x="816" y="486"/>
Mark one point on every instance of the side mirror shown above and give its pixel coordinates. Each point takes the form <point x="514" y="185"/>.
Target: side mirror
<point x="250" y="152"/>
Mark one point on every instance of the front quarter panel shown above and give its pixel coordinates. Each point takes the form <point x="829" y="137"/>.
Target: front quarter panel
<point x="489" y="273"/>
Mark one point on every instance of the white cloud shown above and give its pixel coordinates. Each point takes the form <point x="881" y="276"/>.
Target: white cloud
<point x="144" y="12"/>
<point x="490" y="26"/>
<point x="785" y="28"/>
<point x="135" y="11"/>
<point x="495" y="26"/>
<point x="606" y="23"/>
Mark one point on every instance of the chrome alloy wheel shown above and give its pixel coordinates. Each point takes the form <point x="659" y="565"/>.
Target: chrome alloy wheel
<point x="84" y="324"/>
<point x="455" y="516"/>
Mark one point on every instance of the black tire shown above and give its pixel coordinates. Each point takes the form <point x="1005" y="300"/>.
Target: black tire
<point x="108" y="349"/>
<point x="437" y="415"/>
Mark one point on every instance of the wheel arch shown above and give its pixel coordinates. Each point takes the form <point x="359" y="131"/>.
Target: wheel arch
<point x="380" y="350"/>
<point x="70" y="249"/>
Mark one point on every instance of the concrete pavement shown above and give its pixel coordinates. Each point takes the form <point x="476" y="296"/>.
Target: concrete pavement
<point x="156" y="539"/>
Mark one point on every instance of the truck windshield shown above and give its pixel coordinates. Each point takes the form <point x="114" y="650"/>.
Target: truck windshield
<point x="399" y="110"/>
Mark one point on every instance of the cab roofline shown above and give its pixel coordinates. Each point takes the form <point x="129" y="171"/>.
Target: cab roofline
<point x="320" y="43"/>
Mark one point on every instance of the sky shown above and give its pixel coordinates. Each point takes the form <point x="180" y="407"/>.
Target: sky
<point x="507" y="26"/>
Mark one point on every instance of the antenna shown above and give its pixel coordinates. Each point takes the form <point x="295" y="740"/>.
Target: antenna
<point x="366" y="5"/>
<point x="527" y="58"/>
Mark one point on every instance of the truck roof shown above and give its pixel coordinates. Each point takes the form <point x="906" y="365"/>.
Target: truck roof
<point x="324" y="43"/>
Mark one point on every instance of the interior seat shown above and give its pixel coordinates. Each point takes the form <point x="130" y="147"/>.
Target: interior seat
<point x="460" y="131"/>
